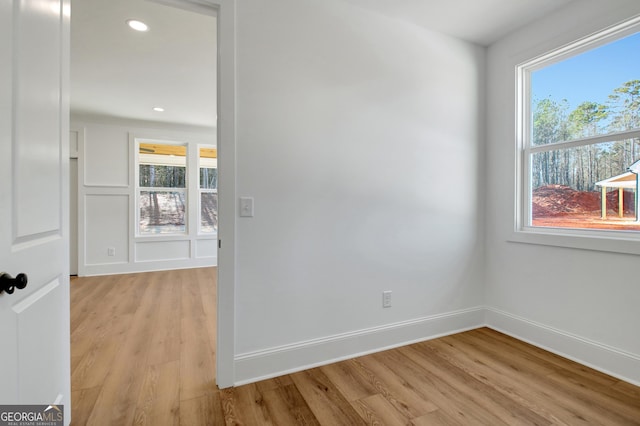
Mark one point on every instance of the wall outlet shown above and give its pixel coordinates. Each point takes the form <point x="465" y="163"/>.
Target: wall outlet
<point x="386" y="299"/>
<point x="111" y="251"/>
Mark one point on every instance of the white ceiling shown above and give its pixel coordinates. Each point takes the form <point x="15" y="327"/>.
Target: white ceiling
<point x="118" y="72"/>
<point x="122" y="73"/>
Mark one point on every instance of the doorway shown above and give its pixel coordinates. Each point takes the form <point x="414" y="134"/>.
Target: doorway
<point x="102" y="9"/>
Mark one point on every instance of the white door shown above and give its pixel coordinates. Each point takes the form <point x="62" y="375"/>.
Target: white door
<point x="34" y="158"/>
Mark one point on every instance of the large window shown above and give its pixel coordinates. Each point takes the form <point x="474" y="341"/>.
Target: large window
<point x="162" y="188"/>
<point x="579" y="132"/>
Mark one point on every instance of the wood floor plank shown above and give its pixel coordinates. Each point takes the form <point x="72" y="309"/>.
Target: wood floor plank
<point x="83" y="401"/>
<point x="444" y="390"/>
<point x="159" y="402"/>
<point x="628" y="389"/>
<point x="520" y="349"/>
<point x="95" y="365"/>
<point x="324" y="399"/>
<point x="205" y="410"/>
<point x="250" y="407"/>
<point x="208" y="296"/>
<point x="276" y="382"/>
<point x="352" y="385"/>
<point x="436" y="418"/>
<point x="165" y="339"/>
<point x="399" y="392"/>
<point x="143" y="352"/>
<point x="501" y="379"/>
<point x="602" y="408"/>
<point x="197" y="364"/>
<point x="377" y="410"/>
<point x="556" y="399"/>
<point x="117" y="401"/>
<point x="286" y="406"/>
<point x="85" y="292"/>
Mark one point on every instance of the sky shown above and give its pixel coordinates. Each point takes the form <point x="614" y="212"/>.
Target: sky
<point x="590" y="76"/>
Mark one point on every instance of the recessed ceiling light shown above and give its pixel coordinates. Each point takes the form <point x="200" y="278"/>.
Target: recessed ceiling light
<point x="158" y="109"/>
<point x="137" y="25"/>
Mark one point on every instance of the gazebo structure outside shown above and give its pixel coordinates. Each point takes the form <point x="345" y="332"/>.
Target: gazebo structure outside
<point x="628" y="180"/>
<point x="624" y="181"/>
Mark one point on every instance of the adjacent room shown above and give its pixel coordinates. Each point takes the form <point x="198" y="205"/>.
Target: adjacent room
<point x="421" y="222"/>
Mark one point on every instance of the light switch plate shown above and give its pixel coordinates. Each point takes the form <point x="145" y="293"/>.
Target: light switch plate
<point x="246" y="206"/>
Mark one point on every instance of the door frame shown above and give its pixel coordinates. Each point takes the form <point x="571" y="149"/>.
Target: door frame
<point x="225" y="11"/>
<point x="226" y="127"/>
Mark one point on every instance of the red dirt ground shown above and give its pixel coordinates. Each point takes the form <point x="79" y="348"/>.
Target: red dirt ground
<point x="564" y="207"/>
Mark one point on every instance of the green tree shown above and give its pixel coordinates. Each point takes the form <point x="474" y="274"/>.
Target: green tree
<point x="585" y="120"/>
<point x="625" y="104"/>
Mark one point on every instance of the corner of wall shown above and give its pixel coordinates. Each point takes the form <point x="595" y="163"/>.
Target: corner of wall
<point x="606" y="359"/>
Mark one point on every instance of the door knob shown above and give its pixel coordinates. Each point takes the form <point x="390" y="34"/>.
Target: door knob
<point x="9" y="284"/>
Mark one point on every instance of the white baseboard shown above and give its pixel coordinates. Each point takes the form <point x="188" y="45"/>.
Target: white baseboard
<point x="273" y="362"/>
<point x="265" y="364"/>
<point x="614" y="362"/>
<point x="136" y="267"/>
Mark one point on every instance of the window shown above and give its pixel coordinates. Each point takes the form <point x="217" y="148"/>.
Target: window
<point x="162" y="188"/>
<point x="578" y="134"/>
<point x="208" y="184"/>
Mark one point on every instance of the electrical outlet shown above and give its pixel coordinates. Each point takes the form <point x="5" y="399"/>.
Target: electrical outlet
<point x="386" y="299"/>
<point x="111" y="251"/>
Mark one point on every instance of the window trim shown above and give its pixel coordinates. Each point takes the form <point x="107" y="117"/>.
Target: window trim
<point x="523" y="232"/>
<point x="138" y="189"/>
<point x="204" y="190"/>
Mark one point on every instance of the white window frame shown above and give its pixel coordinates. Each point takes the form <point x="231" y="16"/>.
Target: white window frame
<point x="139" y="189"/>
<point x="591" y="239"/>
<point x="204" y="190"/>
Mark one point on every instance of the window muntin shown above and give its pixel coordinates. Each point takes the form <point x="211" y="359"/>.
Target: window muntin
<point x="208" y="188"/>
<point x="162" y="188"/>
<point x="572" y="138"/>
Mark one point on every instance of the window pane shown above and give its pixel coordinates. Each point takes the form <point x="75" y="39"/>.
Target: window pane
<point x="566" y="186"/>
<point x="594" y="93"/>
<point x="155" y="176"/>
<point x="162" y="212"/>
<point x="208" y="212"/>
<point x="208" y="178"/>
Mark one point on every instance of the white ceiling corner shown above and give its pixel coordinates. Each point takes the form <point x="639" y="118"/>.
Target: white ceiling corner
<point x="481" y="22"/>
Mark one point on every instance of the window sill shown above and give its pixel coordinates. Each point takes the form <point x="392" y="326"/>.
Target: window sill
<point x="607" y="241"/>
<point x="176" y="237"/>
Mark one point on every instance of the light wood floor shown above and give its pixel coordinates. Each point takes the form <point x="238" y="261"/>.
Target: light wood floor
<point x="143" y="353"/>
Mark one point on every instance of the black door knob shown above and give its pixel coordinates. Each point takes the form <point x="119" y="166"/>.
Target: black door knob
<point x="9" y="284"/>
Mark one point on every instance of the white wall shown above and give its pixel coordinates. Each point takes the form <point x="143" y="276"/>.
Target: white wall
<point x="360" y="138"/>
<point x="584" y="304"/>
<point x="107" y="201"/>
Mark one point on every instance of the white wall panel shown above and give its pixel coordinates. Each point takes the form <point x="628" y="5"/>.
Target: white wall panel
<point x="150" y="251"/>
<point x="206" y="248"/>
<point x="106" y="154"/>
<point x="107" y="226"/>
